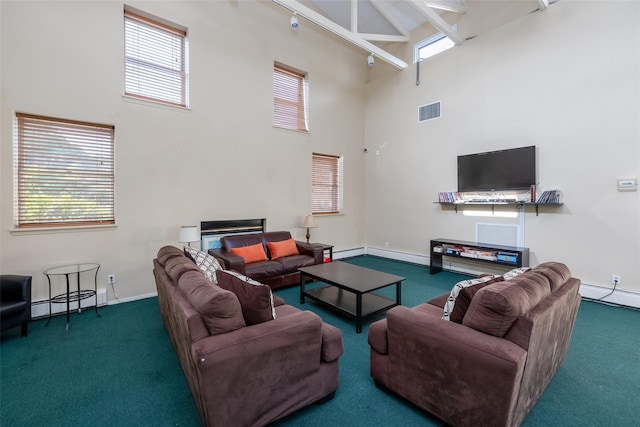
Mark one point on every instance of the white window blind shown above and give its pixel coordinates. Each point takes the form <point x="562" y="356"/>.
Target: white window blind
<point x="326" y="185"/>
<point x="64" y="172"/>
<point x="290" y="93"/>
<point x="156" y="65"/>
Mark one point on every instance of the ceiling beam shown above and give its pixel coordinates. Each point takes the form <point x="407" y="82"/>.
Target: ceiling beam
<point x="384" y="38"/>
<point x="354" y="16"/>
<point x="542" y="4"/>
<point x="456" y="6"/>
<point x="437" y="21"/>
<point x="316" y="18"/>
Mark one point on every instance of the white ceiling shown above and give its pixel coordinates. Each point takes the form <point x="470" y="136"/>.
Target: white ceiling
<point x="372" y="24"/>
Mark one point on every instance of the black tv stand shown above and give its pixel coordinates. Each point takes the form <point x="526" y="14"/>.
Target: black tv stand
<point x="518" y="256"/>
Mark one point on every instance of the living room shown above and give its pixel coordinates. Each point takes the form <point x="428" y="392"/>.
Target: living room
<point x="538" y="79"/>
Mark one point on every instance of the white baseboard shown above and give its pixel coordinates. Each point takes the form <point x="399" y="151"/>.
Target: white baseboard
<point x="348" y="253"/>
<point x="398" y="256"/>
<point x="628" y="298"/>
<point x="134" y="298"/>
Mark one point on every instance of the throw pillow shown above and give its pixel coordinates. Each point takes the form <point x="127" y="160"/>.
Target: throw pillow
<point x="205" y="262"/>
<point x="255" y="298"/>
<point x="219" y="308"/>
<point x="515" y="272"/>
<point x="253" y="253"/>
<point x="461" y="295"/>
<point x="283" y="248"/>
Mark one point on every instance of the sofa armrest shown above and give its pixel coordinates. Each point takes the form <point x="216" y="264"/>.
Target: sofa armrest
<point x="312" y="249"/>
<point x="332" y="347"/>
<point x="229" y="261"/>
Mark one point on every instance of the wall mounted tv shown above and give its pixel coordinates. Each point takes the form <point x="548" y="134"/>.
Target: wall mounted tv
<point x="503" y="170"/>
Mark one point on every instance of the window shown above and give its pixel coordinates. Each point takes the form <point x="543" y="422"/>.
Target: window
<point x="156" y="60"/>
<point x="64" y="172"/>
<point x="290" y="93"/>
<point x="326" y="184"/>
<point x="432" y="46"/>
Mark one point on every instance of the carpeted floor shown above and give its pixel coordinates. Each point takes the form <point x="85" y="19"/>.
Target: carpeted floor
<point x="120" y="369"/>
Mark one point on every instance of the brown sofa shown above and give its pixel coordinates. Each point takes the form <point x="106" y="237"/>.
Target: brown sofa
<point x="488" y="365"/>
<point x="243" y="369"/>
<point x="275" y="272"/>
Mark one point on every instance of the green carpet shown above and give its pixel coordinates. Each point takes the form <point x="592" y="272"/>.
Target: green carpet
<point x="121" y="369"/>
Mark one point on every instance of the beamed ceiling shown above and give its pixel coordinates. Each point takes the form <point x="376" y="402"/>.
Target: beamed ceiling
<point x="372" y="25"/>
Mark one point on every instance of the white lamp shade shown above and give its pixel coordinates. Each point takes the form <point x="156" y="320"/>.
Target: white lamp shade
<point x="188" y="234"/>
<point x="309" y="222"/>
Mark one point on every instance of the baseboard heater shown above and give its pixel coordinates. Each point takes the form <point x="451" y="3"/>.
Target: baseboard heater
<point x="40" y="308"/>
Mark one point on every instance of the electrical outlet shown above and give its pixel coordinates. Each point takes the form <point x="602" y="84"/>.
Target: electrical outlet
<point x="615" y="279"/>
<point x="111" y="278"/>
<point x="386" y="244"/>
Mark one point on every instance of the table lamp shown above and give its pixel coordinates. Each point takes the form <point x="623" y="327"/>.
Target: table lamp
<point x="188" y="234"/>
<point x="309" y="222"/>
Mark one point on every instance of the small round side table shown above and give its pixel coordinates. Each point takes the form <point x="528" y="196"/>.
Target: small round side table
<point x="77" y="295"/>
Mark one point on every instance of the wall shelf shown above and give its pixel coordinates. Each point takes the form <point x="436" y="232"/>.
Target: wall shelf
<point x="494" y="204"/>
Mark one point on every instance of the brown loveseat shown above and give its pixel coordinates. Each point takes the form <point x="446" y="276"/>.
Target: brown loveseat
<point x="492" y="367"/>
<point x="276" y="272"/>
<point x="244" y="367"/>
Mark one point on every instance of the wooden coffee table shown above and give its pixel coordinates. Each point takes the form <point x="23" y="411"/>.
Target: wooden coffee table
<point x="349" y="289"/>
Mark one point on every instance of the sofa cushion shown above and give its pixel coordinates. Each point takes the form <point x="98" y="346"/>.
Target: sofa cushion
<point x="263" y="270"/>
<point x="283" y="248"/>
<point x="205" y="262"/>
<point x="291" y="264"/>
<point x="177" y="266"/>
<point x="219" y="308"/>
<point x="167" y="252"/>
<point x="495" y="307"/>
<point x="252" y="253"/>
<point x="255" y="298"/>
<point x="461" y="295"/>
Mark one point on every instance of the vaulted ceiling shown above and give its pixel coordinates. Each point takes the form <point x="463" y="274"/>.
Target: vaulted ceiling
<point x="373" y="24"/>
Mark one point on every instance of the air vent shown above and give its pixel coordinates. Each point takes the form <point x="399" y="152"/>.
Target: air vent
<point x="429" y="112"/>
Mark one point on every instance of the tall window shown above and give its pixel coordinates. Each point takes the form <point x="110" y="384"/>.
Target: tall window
<point x="290" y="94"/>
<point x="156" y="60"/>
<point x="64" y="172"/>
<point x="326" y="184"/>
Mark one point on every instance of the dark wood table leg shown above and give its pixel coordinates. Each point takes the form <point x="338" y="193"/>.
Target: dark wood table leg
<point x="358" y="313"/>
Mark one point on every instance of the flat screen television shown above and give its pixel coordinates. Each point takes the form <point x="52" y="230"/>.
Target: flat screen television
<point x="503" y="170"/>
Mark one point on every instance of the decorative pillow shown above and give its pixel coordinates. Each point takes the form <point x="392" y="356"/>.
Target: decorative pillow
<point x="282" y="248"/>
<point x="461" y="295"/>
<point x="205" y="262"/>
<point x="219" y="308"/>
<point x="515" y="272"/>
<point x="495" y="307"/>
<point x="253" y="253"/>
<point x="255" y="298"/>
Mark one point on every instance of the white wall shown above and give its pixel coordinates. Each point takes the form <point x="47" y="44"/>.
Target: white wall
<point x="222" y="159"/>
<point x="566" y="80"/>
